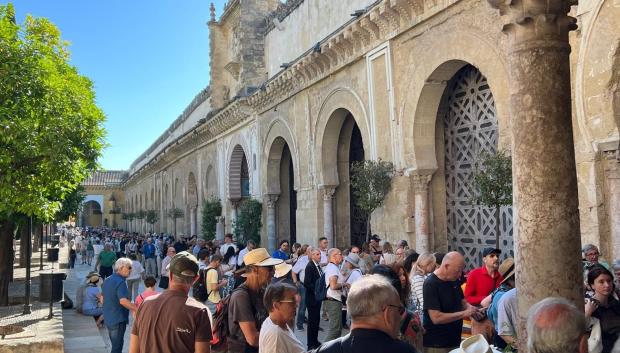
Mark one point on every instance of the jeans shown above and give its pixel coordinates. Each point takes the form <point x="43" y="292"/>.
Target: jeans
<point x="334" y="313"/>
<point x="150" y="267"/>
<point x="117" y="335"/>
<point x="301" y="311"/>
<point x="132" y="285"/>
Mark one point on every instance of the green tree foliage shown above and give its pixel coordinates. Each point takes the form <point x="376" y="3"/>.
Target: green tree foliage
<point x="152" y="217"/>
<point x="249" y="221"/>
<point x="211" y="209"/>
<point x="371" y="181"/>
<point x="51" y="130"/>
<point x="493" y="182"/>
<point x="141" y="214"/>
<point x="175" y="213"/>
<point x="71" y="205"/>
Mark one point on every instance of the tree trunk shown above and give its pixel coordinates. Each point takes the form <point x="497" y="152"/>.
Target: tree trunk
<point x="497" y="227"/>
<point x="23" y="244"/>
<point x="368" y="230"/>
<point x="7" y="227"/>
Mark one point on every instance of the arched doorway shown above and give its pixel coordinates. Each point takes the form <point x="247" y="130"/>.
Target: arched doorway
<point x="92" y="214"/>
<point x="470" y="129"/>
<point x="238" y="181"/>
<point x="349" y="221"/>
<point x="281" y="194"/>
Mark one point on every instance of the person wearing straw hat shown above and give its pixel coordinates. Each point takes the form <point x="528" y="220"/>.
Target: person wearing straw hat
<point x="92" y="298"/>
<point x="173" y="321"/>
<point x="475" y="344"/>
<point x="507" y="270"/>
<point x="283" y="273"/>
<point x="246" y="310"/>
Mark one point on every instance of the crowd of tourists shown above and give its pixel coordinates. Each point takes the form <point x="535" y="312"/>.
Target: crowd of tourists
<point x="206" y="296"/>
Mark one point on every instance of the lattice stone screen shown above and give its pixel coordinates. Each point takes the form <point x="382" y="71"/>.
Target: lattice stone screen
<point x="470" y="128"/>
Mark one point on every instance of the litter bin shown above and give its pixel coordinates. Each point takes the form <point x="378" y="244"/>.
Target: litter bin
<point x="51" y="286"/>
<point x="52" y="254"/>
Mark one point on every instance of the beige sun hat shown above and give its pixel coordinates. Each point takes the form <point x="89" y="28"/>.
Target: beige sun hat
<point x="282" y="269"/>
<point x="260" y="257"/>
<point x="475" y="344"/>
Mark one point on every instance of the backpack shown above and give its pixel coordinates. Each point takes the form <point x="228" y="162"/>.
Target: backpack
<point x="199" y="288"/>
<point x="320" y="288"/>
<point x="220" y="330"/>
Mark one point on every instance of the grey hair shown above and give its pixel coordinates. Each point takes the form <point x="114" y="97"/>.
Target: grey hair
<point x="369" y="296"/>
<point x="122" y="262"/>
<point x="276" y="292"/>
<point x="331" y="252"/>
<point x="554" y="325"/>
<point x="589" y="247"/>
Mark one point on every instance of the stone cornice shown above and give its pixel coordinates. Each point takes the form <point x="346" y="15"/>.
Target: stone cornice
<point x="380" y="22"/>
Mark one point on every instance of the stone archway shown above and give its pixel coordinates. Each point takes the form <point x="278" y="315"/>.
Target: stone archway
<point x="470" y="129"/>
<point x="281" y="197"/>
<point x="238" y="180"/>
<point x="192" y="205"/>
<point x="211" y="190"/>
<point x="92" y="215"/>
<point x="342" y="144"/>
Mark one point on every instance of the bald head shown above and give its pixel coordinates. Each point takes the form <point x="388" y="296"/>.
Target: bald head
<point x="451" y="267"/>
<point x="556" y="325"/>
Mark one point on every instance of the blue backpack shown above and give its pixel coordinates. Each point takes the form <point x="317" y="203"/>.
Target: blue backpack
<point x="320" y="289"/>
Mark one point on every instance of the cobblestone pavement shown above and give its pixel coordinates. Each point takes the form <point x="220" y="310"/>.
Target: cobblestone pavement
<point x="81" y="333"/>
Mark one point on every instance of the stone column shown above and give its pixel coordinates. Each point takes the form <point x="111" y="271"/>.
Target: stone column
<point x="272" y="200"/>
<point x="328" y="214"/>
<point x="543" y="158"/>
<point x="220" y="227"/>
<point x="233" y="215"/>
<point x="192" y="221"/>
<point x="422" y="232"/>
<point x="612" y="173"/>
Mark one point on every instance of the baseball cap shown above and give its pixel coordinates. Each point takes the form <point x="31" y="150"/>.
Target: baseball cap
<point x="488" y="251"/>
<point x="184" y="264"/>
<point x="260" y="257"/>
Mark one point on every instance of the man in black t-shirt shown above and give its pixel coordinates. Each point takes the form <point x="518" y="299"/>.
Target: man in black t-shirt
<point x="445" y="306"/>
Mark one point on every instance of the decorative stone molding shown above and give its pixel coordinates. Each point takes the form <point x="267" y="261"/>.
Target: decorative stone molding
<point x="420" y="182"/>
<point x="328" y="192"/>
<point x="271" y="200"/>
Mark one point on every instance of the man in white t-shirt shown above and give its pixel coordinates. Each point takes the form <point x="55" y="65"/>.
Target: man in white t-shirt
<point x="323" y="243"/>
<point x="299" y="273"/>
<point x="275" y="334"/>
<point x="333" y="303"/>
<point x="97" y="248"/>
<point x="228" y="242"/>
<point x="249" y="246"/>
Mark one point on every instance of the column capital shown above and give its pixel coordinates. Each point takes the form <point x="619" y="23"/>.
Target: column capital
<point x="420" y="182"/>
<point x="535" y="23"/>
<point x="328" y="191"/>
<point x="271" y="200"/>
<point x="220" y="219"/>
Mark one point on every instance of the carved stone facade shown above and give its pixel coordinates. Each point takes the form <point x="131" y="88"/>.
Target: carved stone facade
<point x="315" y="87"/>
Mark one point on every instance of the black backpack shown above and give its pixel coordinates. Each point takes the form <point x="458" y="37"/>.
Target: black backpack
<point x="320" y="288"/>
<point x="199" y="288"/>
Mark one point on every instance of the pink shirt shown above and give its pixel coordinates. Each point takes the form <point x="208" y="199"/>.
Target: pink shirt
<point x="147" y="293"/>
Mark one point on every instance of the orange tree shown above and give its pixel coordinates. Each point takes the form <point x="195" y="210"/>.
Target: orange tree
<point x="51" y="130"/>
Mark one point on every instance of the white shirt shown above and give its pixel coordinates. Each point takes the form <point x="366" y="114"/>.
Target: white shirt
<point x="97" y="249"/>
<point x="241" y="255"/>
<point x="332" y="270"/>
<point x="300" y="267"/>
<point x="323" y="256"/>
<point x="274" y="339"/>
<point x="136" y="270"/>
<point x="164" y="264"/>
<point x="224" y="248"/>
<point x="355" y="275"/>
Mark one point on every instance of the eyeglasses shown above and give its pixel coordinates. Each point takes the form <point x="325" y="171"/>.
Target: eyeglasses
<point x="128" y="267"/>
<point x="401" y="309"/>
<point x="287" y="301"/>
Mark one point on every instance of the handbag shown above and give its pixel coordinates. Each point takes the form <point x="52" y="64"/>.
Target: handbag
<point x="595" y="341"/>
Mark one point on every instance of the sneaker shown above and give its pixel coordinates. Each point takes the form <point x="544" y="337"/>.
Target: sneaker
<point x="320" y="328"/>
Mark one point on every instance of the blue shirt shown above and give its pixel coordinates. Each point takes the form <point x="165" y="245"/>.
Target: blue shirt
<point x="148" y="250"/>
<point x="492" y="311"/>
<point x="115" y="288"/>
<point x="90" y="298"/>
<point x="279" y="254"/>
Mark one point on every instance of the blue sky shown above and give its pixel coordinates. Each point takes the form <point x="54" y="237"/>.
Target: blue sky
<point x="147" y="59"/>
